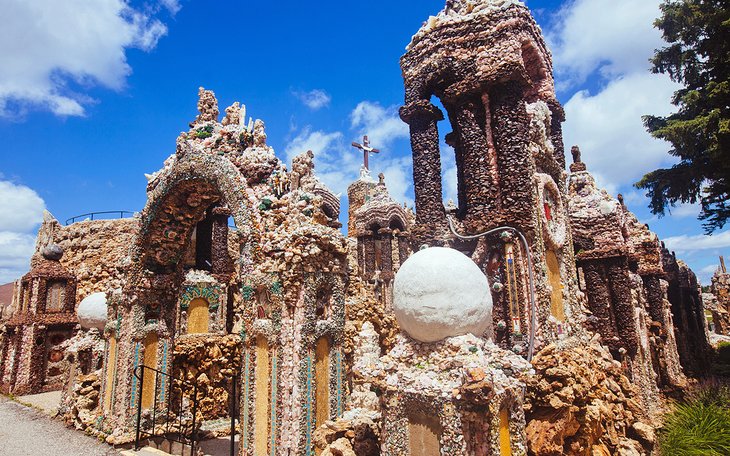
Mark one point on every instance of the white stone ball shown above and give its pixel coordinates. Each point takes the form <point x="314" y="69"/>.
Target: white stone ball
<point x="92" y="311"/>
<point x="440" y="292"/>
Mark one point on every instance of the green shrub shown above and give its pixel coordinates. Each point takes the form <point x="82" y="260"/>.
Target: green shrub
<point x="204" y="132"/>
<point x="700" y="426"/>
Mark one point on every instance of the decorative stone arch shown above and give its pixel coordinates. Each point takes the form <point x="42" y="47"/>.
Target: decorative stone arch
<point x="554" y="225"/>
<point x="193" y="183"/>
<point x="537" y="71"/>
<point x="397" y="222"/>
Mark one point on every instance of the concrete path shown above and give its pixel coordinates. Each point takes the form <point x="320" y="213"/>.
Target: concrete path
<point x="27" y="432"/>
<point x="48" y="402"/>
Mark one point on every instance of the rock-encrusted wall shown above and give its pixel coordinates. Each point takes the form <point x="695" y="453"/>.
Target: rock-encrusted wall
<point x="212" y="363"/>
<point x="488" y="64"/>
<point x="644" y="303"/>
<point x="79" y="406"/>
<point x="97" y="251"/>
<point x="690" y="324"/>
<point x="580" y="402"/>
<point x="720" y="291"/>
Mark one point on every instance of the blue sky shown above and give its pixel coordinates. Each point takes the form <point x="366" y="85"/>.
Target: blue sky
<point x="93" y="94"/>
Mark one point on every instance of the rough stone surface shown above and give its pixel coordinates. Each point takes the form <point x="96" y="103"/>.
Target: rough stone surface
<point x="579" y="400"/>
<point x="438" y="293"/>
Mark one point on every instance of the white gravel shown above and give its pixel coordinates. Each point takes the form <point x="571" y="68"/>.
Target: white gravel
<point x="27" y="432"/>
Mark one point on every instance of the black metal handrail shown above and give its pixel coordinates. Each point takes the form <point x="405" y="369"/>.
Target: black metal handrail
<point x="91" y="215"/>
<point x="165" y="429"/>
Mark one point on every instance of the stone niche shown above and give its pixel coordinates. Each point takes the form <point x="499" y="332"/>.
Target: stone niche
<point x="202" y="306"/>
<point x="456" y="396"/>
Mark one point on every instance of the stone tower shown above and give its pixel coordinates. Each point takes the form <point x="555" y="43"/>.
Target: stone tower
<point x="488" y="65"/>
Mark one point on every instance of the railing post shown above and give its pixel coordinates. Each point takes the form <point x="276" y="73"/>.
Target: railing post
<point x="154" y="405"/>
<point x="139" y="406"/>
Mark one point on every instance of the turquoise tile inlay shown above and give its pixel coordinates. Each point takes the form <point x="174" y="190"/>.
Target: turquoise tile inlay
<point x="338" y="379"/>
<point x="308" y="406"/>
<point x="246" y="382"/>
<point x="132" y="401"/>
<point x="274" y="384"/>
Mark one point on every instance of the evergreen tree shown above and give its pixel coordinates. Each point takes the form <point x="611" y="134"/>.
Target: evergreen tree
<point x="698" y="57"/>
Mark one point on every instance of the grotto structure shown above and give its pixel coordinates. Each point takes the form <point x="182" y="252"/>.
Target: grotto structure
<point x="234" y="293"/>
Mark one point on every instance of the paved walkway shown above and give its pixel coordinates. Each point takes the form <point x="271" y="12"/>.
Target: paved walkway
<point x="47" y="402"/>
<point x="27" y="432"/>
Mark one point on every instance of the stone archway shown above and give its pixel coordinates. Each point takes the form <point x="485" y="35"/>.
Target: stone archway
<point x="179" y="200"/>
<point x="183" y="193"/>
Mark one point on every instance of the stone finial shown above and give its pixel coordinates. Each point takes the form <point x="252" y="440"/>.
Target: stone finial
<point x="207" y="106"/>
<point x="575" y="151"/>
<point x="46" y="233"/>
<point x="381" y="179"/>
<point x="577" y="164"/>
<point x="259" y="133"/>
<point x="722" y="264"/>
<point x="620" y="198"/>
<point x="302" y="172"/>
<point x="233" y="114"/>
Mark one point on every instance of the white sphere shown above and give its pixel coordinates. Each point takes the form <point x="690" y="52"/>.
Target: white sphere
<point x="439" y="293"/>
<point x="92" y="311"/>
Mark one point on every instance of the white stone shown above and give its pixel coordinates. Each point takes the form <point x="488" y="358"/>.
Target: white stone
<point x="92" y="311"/>
<point x="438" y="293"/>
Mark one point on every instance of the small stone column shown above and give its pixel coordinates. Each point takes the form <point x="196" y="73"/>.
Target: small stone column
<point x="510" y="130"/>
<point x="385" y="237"/>
<point x="422" y="117"/>
<point x="480" y="191"/>
<point x="219" y="258"/>
<point x="556" y="130"/>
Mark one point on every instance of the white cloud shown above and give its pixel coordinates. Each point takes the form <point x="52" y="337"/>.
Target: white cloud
<point x="615" y="37"/>
<point x="21" y="210"/>
<point x="15" y="252"/>
<point x="321" y="143"/>
<point x="692" y="243"/>
<point x="338" y="164"/>
<point x="449" y="179"/>
<point x="47" y="45"/>
<point x="382" y="125"/>
<point x="314" y="99"/>
<point x="610" y="42"/>
<point x="173" y="6"/>
<point x="609" y="130"/>
<point x="685" y="210"/>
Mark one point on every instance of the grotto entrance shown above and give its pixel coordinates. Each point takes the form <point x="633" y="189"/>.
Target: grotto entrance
<point x="174" y="316"/>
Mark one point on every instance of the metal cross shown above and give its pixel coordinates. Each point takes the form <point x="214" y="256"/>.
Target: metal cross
<point x="366" y="149"/>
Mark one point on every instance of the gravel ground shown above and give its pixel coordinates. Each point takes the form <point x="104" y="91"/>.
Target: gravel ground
<point x="27" y="432"/>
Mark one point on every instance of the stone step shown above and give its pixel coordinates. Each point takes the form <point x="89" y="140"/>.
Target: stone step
<point x="145" y="451"/>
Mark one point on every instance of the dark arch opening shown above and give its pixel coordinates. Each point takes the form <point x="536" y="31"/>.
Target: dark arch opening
<point x="536" y="71"/>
